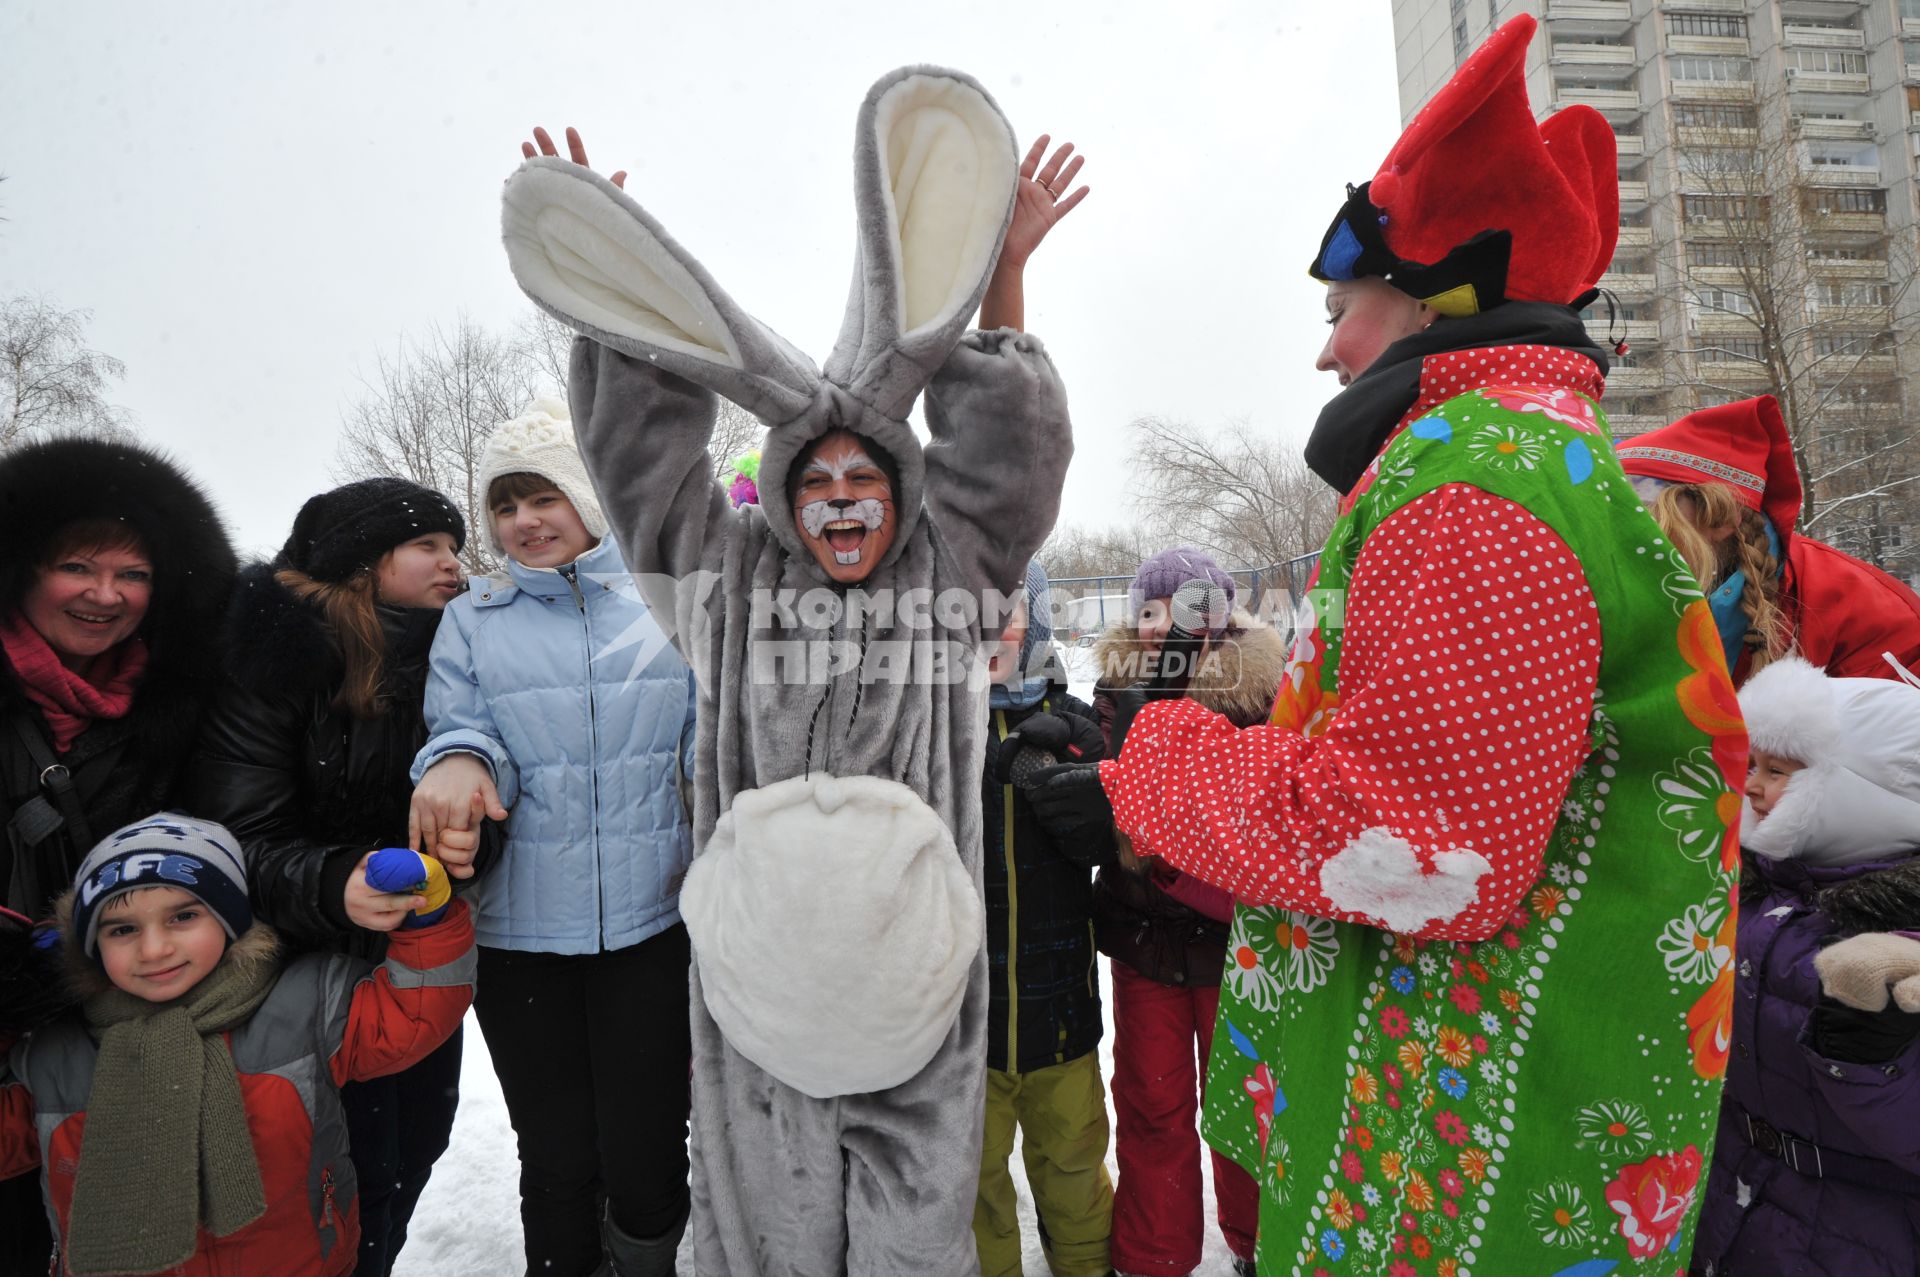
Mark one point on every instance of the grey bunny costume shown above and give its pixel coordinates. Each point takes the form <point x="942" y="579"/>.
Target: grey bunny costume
<point x="834" y="902"/>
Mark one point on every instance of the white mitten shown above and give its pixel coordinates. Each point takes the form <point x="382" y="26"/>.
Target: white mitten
<point x="1863" y="970"/>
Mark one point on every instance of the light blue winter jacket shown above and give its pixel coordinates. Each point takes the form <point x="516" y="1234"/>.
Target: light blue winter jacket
<point x="564" y="684"/>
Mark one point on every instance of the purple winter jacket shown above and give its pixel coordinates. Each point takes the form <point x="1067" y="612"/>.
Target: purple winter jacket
<point x="1816" y="1167"/>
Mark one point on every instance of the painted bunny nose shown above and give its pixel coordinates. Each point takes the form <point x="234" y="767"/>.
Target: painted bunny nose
<point x="842" y="503"/>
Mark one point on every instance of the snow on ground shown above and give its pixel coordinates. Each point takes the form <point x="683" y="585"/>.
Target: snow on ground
<point x="468" y="1223"/>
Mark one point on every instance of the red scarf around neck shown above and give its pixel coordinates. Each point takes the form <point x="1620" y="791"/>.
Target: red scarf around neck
<point x="67" y="701"/>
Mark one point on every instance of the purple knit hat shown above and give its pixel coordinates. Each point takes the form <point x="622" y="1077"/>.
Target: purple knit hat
<point x="1168" y="570"/>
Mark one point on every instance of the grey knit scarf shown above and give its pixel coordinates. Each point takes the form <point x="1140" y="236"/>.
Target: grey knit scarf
<point x="166" y="1148"/>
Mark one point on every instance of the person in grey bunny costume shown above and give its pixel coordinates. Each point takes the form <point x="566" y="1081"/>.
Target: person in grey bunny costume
<point x="834" y="901"/>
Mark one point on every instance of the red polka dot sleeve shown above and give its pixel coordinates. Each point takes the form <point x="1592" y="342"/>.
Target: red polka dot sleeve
<point x="1472" y="648"/>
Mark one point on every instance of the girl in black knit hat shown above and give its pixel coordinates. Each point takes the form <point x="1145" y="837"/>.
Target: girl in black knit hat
<point x="305" y="759"/>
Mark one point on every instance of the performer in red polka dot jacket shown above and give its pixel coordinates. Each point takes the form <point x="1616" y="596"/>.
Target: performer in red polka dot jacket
<point x="1484" y="850"/>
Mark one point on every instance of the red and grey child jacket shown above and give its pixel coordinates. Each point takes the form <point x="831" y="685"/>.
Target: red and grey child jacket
<point x="330" y="1020"/>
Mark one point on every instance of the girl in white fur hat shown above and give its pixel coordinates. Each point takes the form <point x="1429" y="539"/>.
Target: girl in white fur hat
<point x="553" y="692"/>
<point x="1817" y="1162"/>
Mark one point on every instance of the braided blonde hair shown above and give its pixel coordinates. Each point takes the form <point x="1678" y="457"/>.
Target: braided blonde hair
<point x="1688" y="513"/>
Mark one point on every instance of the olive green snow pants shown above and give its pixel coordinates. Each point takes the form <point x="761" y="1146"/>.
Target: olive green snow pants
<point x="1062" y="1115"/>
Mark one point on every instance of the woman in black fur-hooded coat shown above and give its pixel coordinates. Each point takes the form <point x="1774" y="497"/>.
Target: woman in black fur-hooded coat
<point x="62" y="500"/>
<point x="97" y="716"/>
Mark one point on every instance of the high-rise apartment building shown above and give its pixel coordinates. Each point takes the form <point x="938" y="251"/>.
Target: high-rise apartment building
<point x="1768" y="154"/>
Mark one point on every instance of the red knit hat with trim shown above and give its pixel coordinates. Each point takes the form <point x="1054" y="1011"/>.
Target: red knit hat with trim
<point x="1474" y="163"/>
<point x="1743" y="445"/>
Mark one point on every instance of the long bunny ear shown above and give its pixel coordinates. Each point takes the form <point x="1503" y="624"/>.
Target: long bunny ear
<point x="591" y="257"/>
<point x="934" y="171"/>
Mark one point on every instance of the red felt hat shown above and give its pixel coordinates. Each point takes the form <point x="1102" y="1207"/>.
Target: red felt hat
<point x="1473" y="167"/>
<point x="1742" y="444"/>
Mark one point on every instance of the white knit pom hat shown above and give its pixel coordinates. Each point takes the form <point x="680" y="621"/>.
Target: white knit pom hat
<point x="540" y="441"/>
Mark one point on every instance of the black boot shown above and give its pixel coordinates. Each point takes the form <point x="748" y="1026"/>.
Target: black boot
<point x="641" y="1256"/>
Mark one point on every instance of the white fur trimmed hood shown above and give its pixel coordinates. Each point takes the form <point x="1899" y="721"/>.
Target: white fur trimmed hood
<point x="1858" y="798"/>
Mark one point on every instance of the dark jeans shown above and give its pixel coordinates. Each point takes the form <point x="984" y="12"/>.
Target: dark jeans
<point x="26" y="1244"/>
<point x="592" y="1051"/>
<point x="399" y="1126"/>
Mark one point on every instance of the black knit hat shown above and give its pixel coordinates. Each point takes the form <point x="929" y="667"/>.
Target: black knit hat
<point x="343" y="531"/>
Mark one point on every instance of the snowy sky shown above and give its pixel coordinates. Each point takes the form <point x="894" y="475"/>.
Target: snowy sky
<point x="255" y="199"/>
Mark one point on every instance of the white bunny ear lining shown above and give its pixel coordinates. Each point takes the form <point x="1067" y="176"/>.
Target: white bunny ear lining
<point x="935" y="171"/>
<point x="581" y="253"/>
<point x="950" y="174"/>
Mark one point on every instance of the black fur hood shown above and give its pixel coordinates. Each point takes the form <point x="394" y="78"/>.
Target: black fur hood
<point x="274" y="641"/>
<point x="44" y="487"/>
<point x="1880" y="900"/>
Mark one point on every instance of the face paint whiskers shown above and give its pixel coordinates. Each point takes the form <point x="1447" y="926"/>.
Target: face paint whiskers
<point x="843" y="524"/>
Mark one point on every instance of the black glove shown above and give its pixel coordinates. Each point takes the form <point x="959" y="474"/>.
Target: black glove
<point x="1068" y="799"/>
<point x="1066" y="739"/>
<point x="1841" y="1032"/>
<point x="1128" y="701"/>
<point x="31" y="989"/>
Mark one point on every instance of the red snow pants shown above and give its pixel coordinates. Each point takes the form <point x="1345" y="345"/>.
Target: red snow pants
<point x="1161" y="1038"/>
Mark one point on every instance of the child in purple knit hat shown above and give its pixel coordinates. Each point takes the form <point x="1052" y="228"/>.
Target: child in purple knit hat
<point x="1159" y="577"/>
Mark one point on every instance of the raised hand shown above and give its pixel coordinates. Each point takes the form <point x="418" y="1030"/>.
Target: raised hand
<point x="1043" y="196"/>
<point x="577" y="152"/>
<point x="1040" y="199"/>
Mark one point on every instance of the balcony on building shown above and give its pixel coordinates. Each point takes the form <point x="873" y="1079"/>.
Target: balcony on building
<point x="1633" y="380"/>
<point x="1569" y="19"/>
<point x="1814" y="129"/>
<point x="1716" y="136"/>
<point x="1811" y="84"/>
<point x="1863" y="314"/>
<point x="1725" y="228"/>
<point x="1697" y="77"/>
<point x="1630" y="148"/>
<point x="1842" y="224"/>
<point x="1718" y="369"/>
<point x="1841" y="174"/>
<point x="1823" y="37"/>
<point x="1711" y="321"/>
<point x="1874" y="268"/>
<point x="1722" y="276"/>
<point x="1843" y="212"/>
<point x="1635" y="237"/>
<point x="1597" y="58"/>
<point x="1730" y="45"/>
<point x="1870" y="365"/>
<point x="1817" y="12"/>
<point x="1615" y="103"/>
<point x="1629" y="286"/>
<point x="1633" y="196"/>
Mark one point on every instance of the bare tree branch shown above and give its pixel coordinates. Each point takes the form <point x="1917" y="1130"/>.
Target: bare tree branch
<point x="51" y="381"/>
<point x="429" y="405"/>
<point x="1246" y="499"/>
